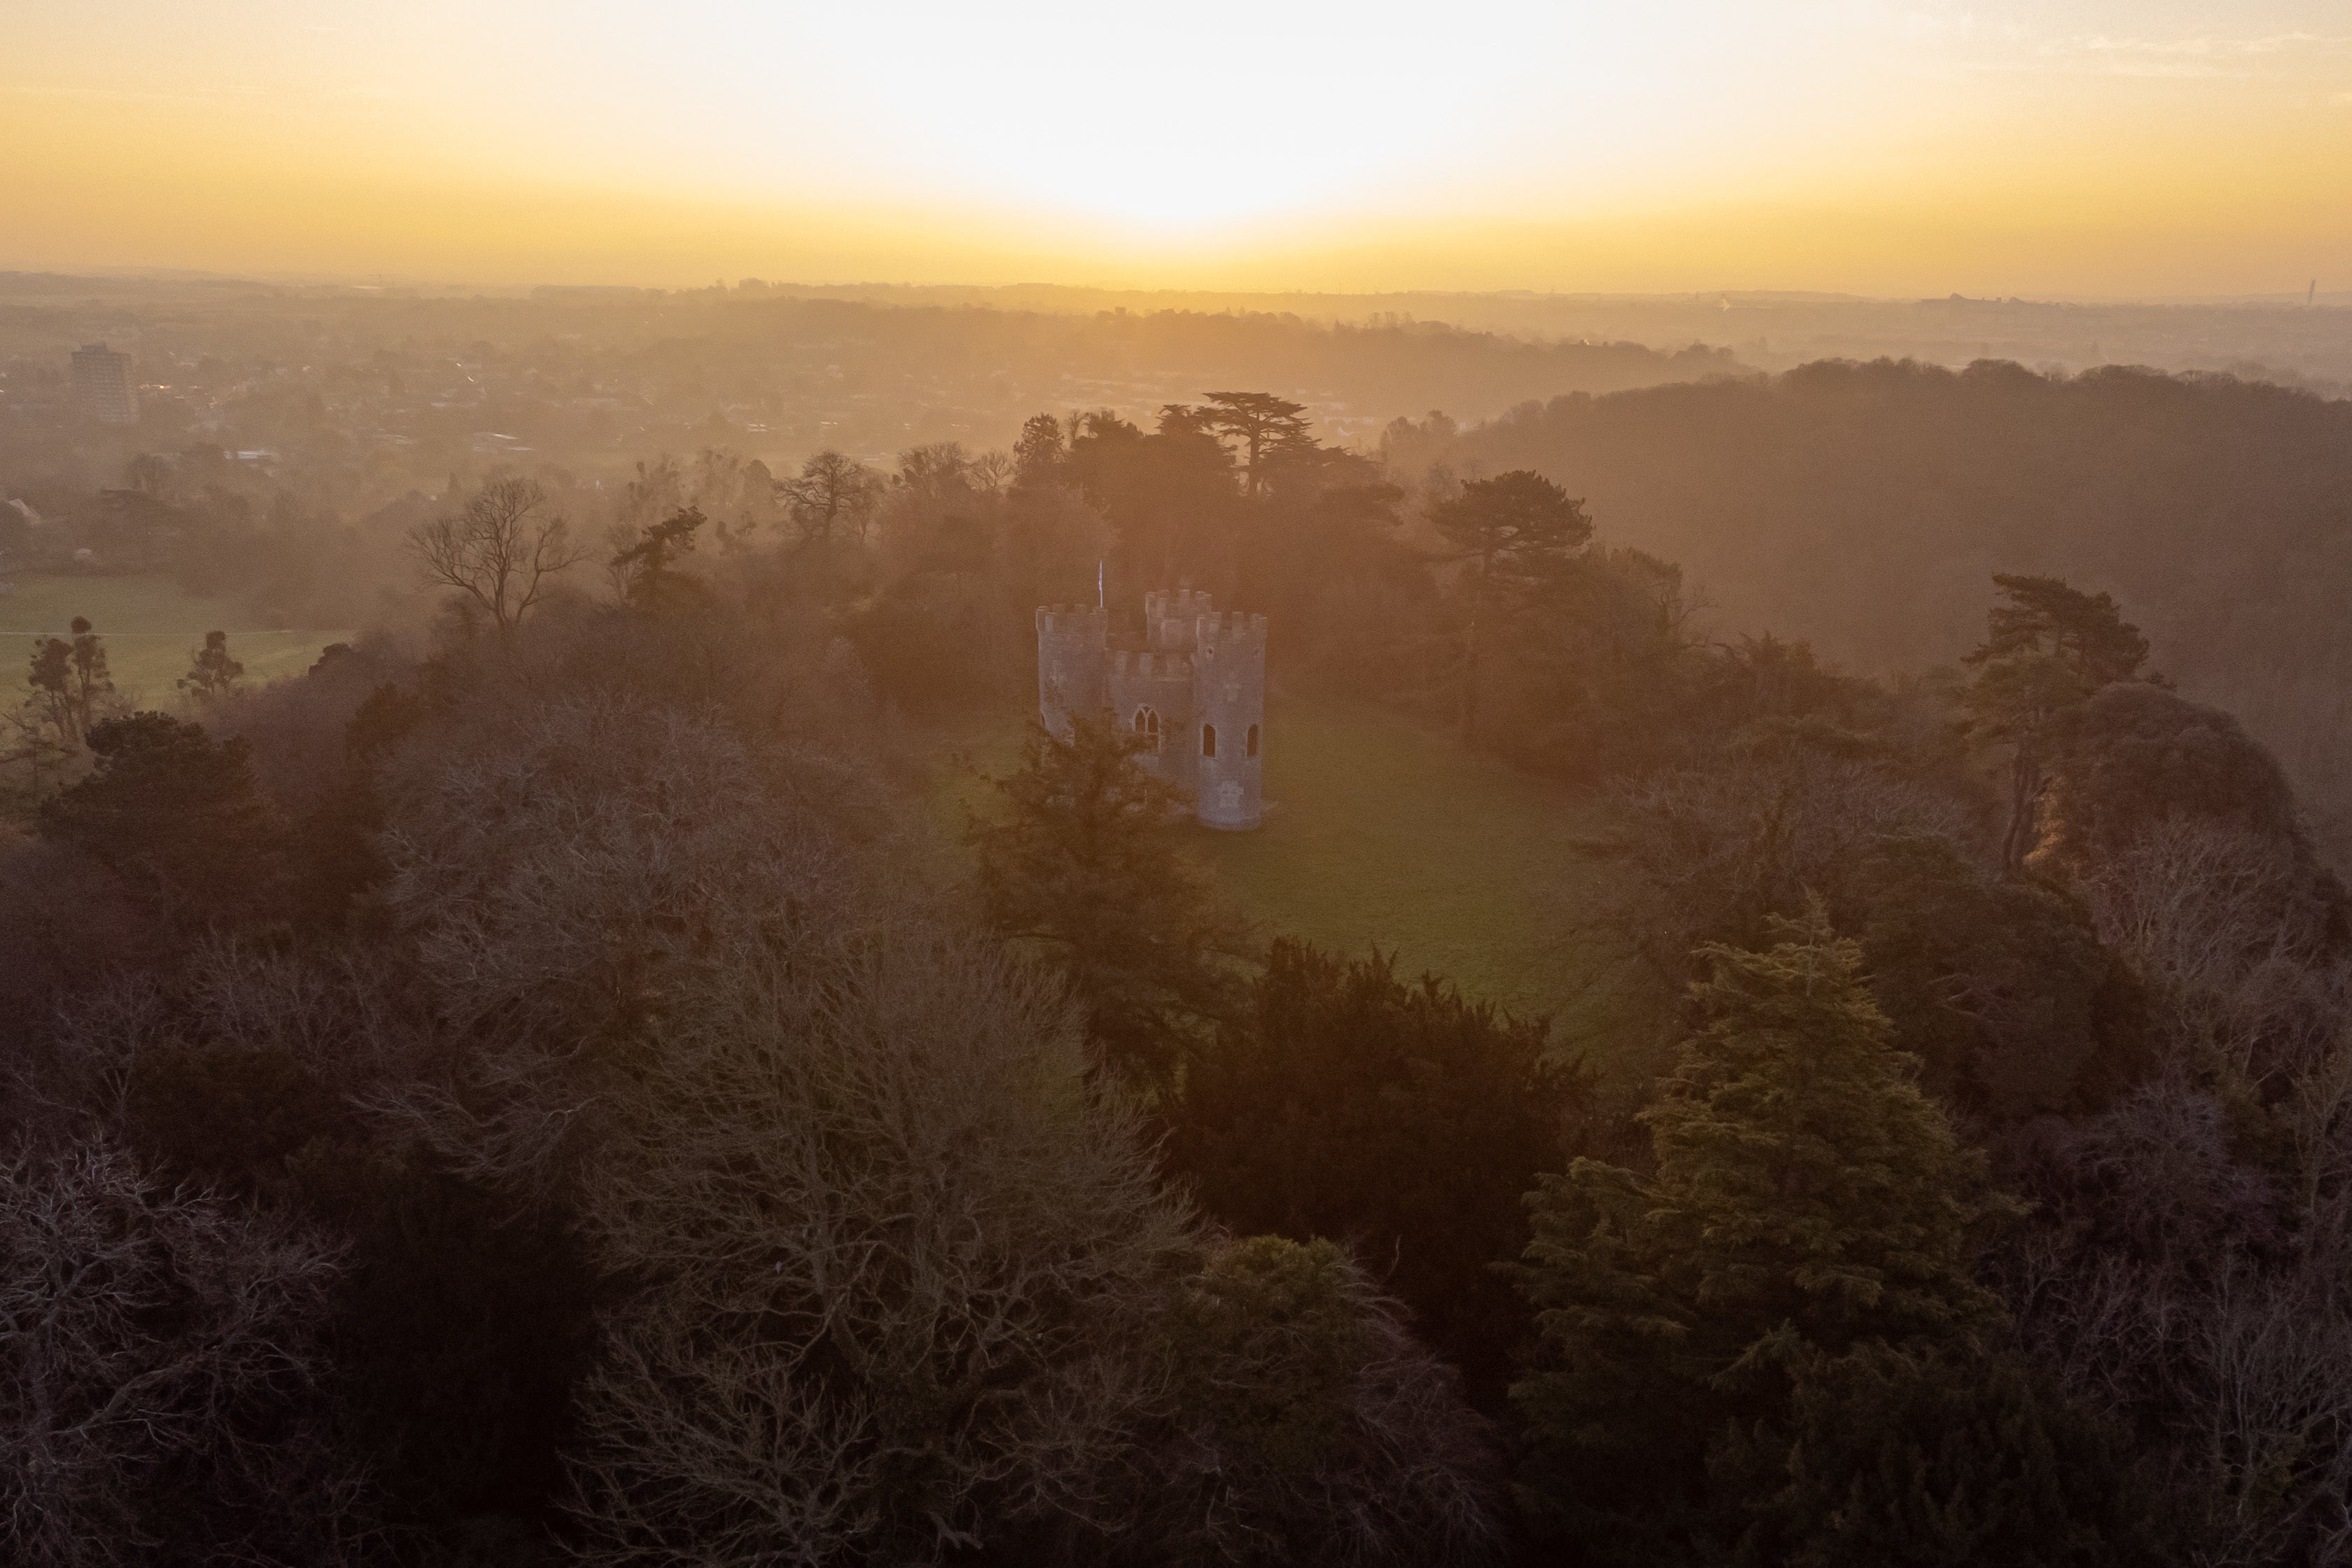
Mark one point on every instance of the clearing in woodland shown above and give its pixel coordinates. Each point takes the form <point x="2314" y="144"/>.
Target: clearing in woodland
<point x="1380" y="833"/>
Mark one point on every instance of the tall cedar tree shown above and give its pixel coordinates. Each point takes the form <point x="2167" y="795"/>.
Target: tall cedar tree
<point x="176" y="814"/>
<point x="1084" y="864"/>
<point x="1808" y="1200"/>
<point x="1268" y="427"/>
<point x="2048" y="647"/>
<point x="1514" y="534"/>
<point x="1400" y="1118"/>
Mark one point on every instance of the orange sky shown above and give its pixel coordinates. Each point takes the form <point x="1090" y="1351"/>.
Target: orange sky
<point x="2070" y="148"/>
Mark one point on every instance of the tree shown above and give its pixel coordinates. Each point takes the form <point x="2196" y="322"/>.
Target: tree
<point x="176" y="813"/>
<point x="1310" y="1428"/>
<point x="72" y="686"/>
<point x="1039" y="456"/>
<point x="1514" y="533"/>
<point x="1343" y="1102"/>
<point x="832" y="497"/>
<point x="1083" y="865"/>
<point x="499" y="553"/>
<point x="880" y="1273"/>
<point x="159" y="1374"/>
<point x="643" y="569"/>
<point x="1940" y="1458"/>
<point x="2000" y="986"/>
<point x="1808" y="1200"/>
<point x="2046" y="649"/>
<point x="1268" y="427"/>
<point x="211" y="673"/>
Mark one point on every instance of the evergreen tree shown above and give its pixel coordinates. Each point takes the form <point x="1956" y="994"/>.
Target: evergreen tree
<point x="1083" y="863"/>
<point x="72" y="686"/>
<point x="644" y="570"/>
<point x="1514" y="534"/>
<point x="211" y="672"/>
<point x="1268" y="427"/>
<point x="177" y="814"/>
<point x="2048" y="647"/>
<point x="1808" y="1201"/>
<point x="1343" y="1102"/>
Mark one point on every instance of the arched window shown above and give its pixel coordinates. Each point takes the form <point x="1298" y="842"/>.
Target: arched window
<point x="1253" y="740"/>
<point x="1147" y="723"/>
<point x="1208" y="740"/>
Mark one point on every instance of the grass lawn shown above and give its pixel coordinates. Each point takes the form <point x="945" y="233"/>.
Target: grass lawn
<point x="1387" y="835"/>
<point x="151" y="627"/>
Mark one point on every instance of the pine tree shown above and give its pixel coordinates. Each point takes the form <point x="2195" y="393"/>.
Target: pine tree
<point x="1514" y="534"/>
<point x="212" y="672"/>
<point x="1807" y="1200"/>
<point x="1084" y="865"/>
<point x="2046" y="649"/>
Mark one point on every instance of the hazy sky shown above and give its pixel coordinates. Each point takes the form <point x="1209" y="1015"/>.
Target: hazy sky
<point x="2083" y="147"/>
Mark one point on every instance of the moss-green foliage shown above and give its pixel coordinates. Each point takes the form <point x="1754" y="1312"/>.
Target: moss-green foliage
<point x="1951" y="1457"/>
<point x="1808" y="1200"/>
<point x="178" y="815"/>
<point x="2132" y="754"/>
<point x="1082" y="861"/>
<point x="1400" y="1118"/>
<point x="1266" y="1342"/>
<point x="2000" y="988"/>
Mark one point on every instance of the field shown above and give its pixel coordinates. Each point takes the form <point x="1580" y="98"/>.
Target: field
<point x="1382" y="834"/>
<point x="151" y="627"/>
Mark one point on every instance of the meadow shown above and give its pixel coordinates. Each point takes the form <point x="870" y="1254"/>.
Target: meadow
<point x="1380" y="835"/>
<point x="152" y="628"/>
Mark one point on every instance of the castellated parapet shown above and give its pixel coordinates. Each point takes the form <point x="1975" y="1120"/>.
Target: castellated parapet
<point x="1196" y="688"/>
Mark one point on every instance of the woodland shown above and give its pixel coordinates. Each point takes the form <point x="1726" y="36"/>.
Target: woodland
<point x="546" y="1084"/>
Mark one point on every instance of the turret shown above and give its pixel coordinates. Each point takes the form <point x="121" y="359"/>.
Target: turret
<point x="1196" y="691"/>
<point x="1168" y="618"/>
<point x="1229" y="719"/>
<point x="1071" y="644"/>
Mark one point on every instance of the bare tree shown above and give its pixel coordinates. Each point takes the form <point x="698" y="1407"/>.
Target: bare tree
<point x="901" y="1276"/>
<point x="499" y="552"/>
<point x="832" y="497"/>
<point x="157" y="1374"/>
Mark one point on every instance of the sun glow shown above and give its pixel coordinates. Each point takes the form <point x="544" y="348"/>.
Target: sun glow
<point x="1689" y="144"/>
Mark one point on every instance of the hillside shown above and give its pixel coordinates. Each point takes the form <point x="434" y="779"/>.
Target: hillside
<point x="1866" y="508"/>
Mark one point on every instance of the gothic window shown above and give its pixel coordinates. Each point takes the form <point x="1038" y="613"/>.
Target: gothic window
<point x="1253" y="740"/>
<point x="1208" y="740"/>
<point x="1147" y="723"/>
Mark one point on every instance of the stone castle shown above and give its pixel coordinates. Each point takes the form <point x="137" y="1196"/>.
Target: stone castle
<point x="1196" y="688"/>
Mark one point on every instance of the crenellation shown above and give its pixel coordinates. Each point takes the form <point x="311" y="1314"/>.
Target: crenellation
<point x="1196" y="687"/>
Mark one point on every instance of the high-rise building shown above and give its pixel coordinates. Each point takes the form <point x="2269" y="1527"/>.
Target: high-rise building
<point x="102" y="385"/>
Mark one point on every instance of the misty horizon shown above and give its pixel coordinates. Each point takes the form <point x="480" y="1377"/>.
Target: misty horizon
<point x="1507" y="786"/>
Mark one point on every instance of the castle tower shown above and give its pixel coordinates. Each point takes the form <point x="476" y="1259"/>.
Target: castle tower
<point x="1169" y="619"/>
<point x="1072" y="643"/>
<point x="1150" y="694"/>
<point x="1229" y="719"/>
<point x="1196" y="691"/>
